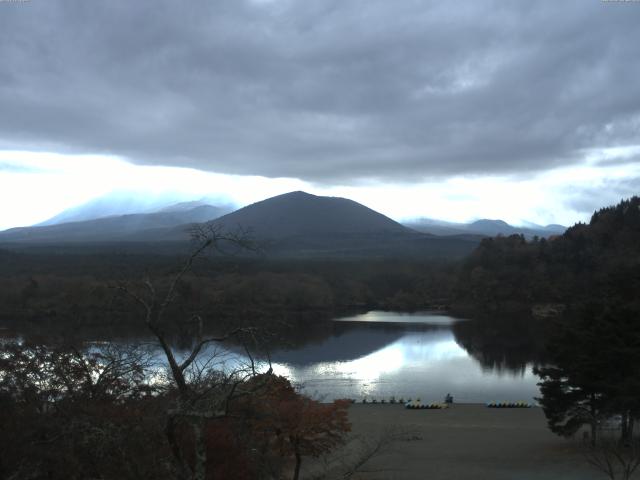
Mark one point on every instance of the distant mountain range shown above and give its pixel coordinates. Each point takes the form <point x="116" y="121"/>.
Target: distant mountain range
<point x="485" y="227"/>
<point x="117" y="228"/>
<point x="294" y="224"/>
<point x="119" y="203"/>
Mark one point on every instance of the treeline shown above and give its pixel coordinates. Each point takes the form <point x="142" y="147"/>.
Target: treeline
<point x="58" y="289"/>
<point x="599" y="260"/>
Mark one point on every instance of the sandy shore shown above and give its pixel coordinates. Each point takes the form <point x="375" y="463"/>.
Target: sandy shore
<point x="469" y="442"/>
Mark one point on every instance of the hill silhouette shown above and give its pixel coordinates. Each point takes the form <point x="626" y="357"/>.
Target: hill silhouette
<point x="300" y="213"/>
<point x="299" y="224"/>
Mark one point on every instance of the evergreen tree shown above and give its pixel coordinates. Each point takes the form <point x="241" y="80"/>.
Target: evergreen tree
<point x="594" y="371"/>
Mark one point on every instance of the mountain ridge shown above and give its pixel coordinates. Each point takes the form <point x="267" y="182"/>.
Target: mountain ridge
<point x="295" y="224"/>
<point x="110" y="228"/>
<point x="483" y="226"/>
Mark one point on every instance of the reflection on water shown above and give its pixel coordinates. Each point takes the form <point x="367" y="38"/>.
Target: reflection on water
<point x="425" y="318"/>
<point x="503" y="344"/>
<point x="407" y="356"/>
<point x="382" y="354"/>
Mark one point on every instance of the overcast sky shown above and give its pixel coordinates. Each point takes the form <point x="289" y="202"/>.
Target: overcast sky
<point x="453" y="110"/>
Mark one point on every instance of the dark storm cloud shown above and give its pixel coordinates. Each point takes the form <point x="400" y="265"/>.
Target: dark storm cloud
<point x="322" y="90"/>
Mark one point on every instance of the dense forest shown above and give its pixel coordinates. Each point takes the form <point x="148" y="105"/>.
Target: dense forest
<point x="595" y="261"/>
<point x="53" y="290"/>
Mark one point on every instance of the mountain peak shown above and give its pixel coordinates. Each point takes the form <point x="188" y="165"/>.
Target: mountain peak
<point x="301" y="213"/>
<point x="488" y="221"/>
<point x="295" y="195"/>
<point x="298" y="193"/>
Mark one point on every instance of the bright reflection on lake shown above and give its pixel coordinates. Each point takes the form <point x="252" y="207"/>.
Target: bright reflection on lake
<point x="425" y="318"/>
<point x="382" y="354"/>
<point x="378" y="355"/>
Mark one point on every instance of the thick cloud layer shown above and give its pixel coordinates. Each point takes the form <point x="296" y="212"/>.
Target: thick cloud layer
<point x="323" y="90"/>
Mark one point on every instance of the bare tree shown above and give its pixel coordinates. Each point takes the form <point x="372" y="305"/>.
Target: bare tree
<point x="203" y="393"/>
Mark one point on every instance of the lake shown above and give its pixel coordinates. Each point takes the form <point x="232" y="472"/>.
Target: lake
<point x="378" y="355"/>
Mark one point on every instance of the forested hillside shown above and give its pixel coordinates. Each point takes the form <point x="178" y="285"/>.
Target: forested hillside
<point x="599" y="260"/>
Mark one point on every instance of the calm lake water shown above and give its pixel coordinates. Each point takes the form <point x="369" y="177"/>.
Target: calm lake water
<point x="377" y="355"/>
<point x="382" y="354"/>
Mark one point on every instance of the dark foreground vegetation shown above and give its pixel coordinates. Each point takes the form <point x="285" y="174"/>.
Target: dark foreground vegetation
<point x="78" y="414"/>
